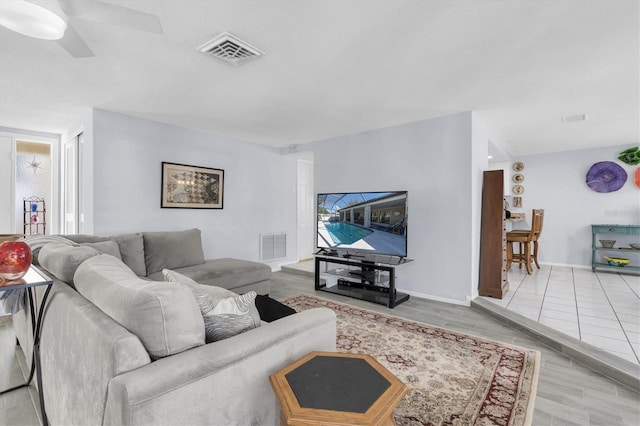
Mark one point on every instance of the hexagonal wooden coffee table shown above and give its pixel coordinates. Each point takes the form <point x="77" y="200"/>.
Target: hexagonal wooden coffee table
<point x="331" y="388"/>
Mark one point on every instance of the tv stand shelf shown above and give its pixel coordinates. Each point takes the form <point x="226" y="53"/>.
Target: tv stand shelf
<point x="360" y="278"/>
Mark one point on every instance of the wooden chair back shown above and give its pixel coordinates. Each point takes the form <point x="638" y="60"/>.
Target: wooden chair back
<point x="537" y="220"/>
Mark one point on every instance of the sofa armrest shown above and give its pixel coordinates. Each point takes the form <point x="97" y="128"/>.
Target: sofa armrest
<point x="82" y="349"/>
<point x="225" y="382"/>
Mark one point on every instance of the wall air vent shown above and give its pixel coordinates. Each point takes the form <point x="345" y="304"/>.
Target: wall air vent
<point x="273" y="246"/>
<point x="231" y="49"/>
<point x="574" y="118"/>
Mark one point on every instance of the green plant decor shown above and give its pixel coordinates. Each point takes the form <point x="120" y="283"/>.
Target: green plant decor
<point x="630" y="156"/>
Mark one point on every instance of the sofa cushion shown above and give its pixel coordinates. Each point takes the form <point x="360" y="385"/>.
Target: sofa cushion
<point x="226" y="272"/>
<point x="164" y="316"/>
<point x="105" y="247"/>
<point x="131" y="248"/>
<point x="62" y="260"/>
<point x="170" y="250"/>
<point x="132" y="251"/>
<point x="84" y="238"/>
<point x="214" y="301"/>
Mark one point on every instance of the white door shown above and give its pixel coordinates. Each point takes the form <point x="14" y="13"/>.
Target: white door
<point x="70" y="186"/>
<point x="306" y="210"/>
<point x="73" y="196"/>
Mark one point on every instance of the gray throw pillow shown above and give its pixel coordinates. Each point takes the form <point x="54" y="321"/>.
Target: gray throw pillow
<point x="106" y="247"/>
<point x="62" y="260"/>
<point x="164" y="316"/>
<point x="132" y="251"/>
<point x="174" y="249"/>
<point x="225" y="313"/>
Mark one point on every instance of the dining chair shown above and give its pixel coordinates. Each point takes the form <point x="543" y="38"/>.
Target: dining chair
<point x="526" y="238"/>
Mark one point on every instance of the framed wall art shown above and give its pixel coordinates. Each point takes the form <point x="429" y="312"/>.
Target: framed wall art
<point x="191" y="187"/>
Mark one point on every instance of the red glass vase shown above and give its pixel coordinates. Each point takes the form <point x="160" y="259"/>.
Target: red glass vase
<point x="15" y="259"/>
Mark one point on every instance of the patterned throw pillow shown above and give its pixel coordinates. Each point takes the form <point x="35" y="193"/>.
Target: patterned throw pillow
<point x="225" y="314"/>
<point x="227" y="317"/>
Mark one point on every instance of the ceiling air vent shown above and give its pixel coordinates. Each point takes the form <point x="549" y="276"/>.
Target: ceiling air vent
<point x="230" y="49"/>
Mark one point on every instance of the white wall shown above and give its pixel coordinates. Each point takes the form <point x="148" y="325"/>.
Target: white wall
<point x="556" y="182"/>
<point x="7" y="185"/>
<point x="505" y="166"/>
<point x="479" y="163"/>
<point x="84" y="125"/>
<point x="432" y="160"/>
<point x="259" y="187"/>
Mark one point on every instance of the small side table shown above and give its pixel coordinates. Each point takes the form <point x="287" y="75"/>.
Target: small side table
<point x="32" y="279"/>
<point x="332" y="389"/>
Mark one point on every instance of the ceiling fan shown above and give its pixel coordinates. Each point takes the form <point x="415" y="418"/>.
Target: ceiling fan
<point x="52" y="20"/>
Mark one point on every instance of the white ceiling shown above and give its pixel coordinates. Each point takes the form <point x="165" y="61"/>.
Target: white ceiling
<point x="339" y="67"/>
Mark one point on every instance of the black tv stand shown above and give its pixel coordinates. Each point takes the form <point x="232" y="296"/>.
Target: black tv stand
<point x="369" y="280"/>
<point x="361" y="273"/>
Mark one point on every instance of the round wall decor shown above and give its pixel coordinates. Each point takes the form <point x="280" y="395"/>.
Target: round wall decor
<point x="518" y="178"/>
<point x="518" y="189"/>
<point x="606" y="176"/>
<point x="518" y="166"/>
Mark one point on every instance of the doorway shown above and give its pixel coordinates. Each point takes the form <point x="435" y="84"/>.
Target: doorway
<point x="305" y="207"/>
<point x="29" y="171"/>
<point x="32" y="187"/>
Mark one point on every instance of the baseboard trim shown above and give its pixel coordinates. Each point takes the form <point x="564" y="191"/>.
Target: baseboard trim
<point x="566" y="265"/>
<point x="436" y="298"/>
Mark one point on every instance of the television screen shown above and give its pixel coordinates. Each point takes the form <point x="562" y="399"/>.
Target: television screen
<point x="370" y="222"/>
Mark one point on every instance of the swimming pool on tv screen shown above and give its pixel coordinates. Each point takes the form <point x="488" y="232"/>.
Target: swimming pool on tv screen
<point x="345" y="233"/>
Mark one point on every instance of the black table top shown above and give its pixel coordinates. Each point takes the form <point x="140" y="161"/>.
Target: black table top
<point x="337" y="384"/>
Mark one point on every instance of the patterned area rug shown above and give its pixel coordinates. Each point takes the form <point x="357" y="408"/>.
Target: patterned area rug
<point x="453" y="378"/>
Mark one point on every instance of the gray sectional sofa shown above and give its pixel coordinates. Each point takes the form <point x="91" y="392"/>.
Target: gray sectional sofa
<point x="120" y="345"/>
<point x="147" y="253"/>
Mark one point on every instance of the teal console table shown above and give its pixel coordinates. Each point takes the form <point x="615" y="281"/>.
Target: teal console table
<point x="606" y="232"/>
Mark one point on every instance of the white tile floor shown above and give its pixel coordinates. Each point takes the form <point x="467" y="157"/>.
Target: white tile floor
<point x="602" y="308"/>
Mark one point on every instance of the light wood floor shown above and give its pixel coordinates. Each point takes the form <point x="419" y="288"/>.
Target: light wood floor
<point x="568" y="393"/>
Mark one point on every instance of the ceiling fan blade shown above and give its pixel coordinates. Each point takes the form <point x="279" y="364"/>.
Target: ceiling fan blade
<point x="112" y="14"/>
<point x="73" y="43"/>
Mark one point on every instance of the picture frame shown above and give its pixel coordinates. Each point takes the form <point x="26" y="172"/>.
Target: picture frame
<point x="191" y="187"/>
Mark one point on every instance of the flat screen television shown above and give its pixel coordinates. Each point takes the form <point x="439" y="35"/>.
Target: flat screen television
<point x="371" y="223"/>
